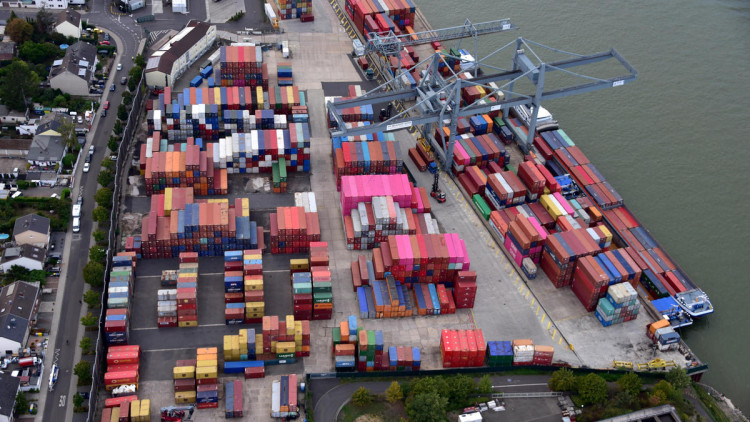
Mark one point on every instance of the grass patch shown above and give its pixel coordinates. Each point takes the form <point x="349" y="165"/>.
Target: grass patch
<point x="710" y="404"/>
<point x="380" y="409"/>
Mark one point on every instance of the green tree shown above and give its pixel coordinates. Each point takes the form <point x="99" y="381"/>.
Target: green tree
<point x="97" y="254"/>
<point x="113" y="145"/>
<point x="427" y="407"/>
<point x="38" y="53"/>
<point x="100" y="237"/>
<point x="127" y="97"/>
<point x="133" y="84"/>
<point x="461" y="387"/>
<point x="45" y="21"/>
<point x="362" y="397"/>
<point x="38" y="275"/>
<point x="436" y="384"/>
<point x="21" y="406"/>
<point x="626" y="400"/>
<point x="18" y="272"/>
<point x="18" y="83"/>
<point x="100" y="214"/>
<point x="562" y="380"/>
<point x="108" y="164"/>
<point x="59" y="101"/>
<point x="140" y="61"/>
<point x="678" y="378"/>
<point x="93" y="273"/>
<point x="592" y="389"/>
<point x="85" y="345"/>
<point x="135" y="73"/>
<point x="631" y="383"/>
<point x="66" y="193"/>
<point x="103" y="197"/>
<point x="122" y="112"/>
<point x="92" y="298"/>
<point x="83" y="371"/>
<point x="19" y="31"/>
<point x="485" y="385"/>
<point x="68" y="132"/>
<point x="77" y="400"/>
<point x="394" y="393"/>
<point x="666" y="387"/>
<point x="68" y="160"/>
<point x="89" y="320"/>
<point x="105" y="178"/>
<point x="118" y="128"/>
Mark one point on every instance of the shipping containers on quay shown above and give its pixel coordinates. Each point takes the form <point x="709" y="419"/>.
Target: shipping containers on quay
<point x="280" y="341"/>
<point x="292" y="230"/>
<point x="119" y="299"/>
<point x="311" y="280"/>
<point x="357" y="349"/>
<point x="196" y="380"/>
<point x="243" y="287"/>
<point x="284" y="397"/>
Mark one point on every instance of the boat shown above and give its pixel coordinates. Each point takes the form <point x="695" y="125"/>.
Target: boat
<point x="672" y="312"/>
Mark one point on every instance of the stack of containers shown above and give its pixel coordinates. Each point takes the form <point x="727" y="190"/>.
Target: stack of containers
<point x="345" y="338"/>
<point x="504" y="189"/>
<point x="462" y="348"/>
<point x="380" y="156"/>
<point x="252" y="272"/>
<point x="243" y="287"/>
<point x="562" y="250"/>
<point x="184" y="381"/>
<point x="294" y="9"/>
<point x="403" y="358"/>
<point x="123" y="364"/>
<point x="119" y="401"/>
<point x="233" y="399"/>
<point x="119" y="294"/>
<point x="543" y="355"/>
<point x="187" y="290"/>
<point x="322" y="283"/>
<point x="303" y="305"/>
<point x="620" y="305"/>
<point x="278" y="176"/>
<point x="663" y="335"/>
<point x="465" y="289"/>
<point x="523" y="352"/>
<point x="590" y="281"/>
<point x="284" y="98"/>
<point x="292" y="230"/>
<point x="499" y="353"/>
<point x="424" y="258"/>
<point x="357" y="189"/>
<point x="241" y="66"/>
<point x="524" y="239"/>
<point x="207" y="227"/>
<point x="279" y="342"/>
<point x="533" y="179"/>
<point x="284" y="398"/>
<point x="190" y="168"/>
<point x="207" y="378"/>
<point x="396" y="16"/>
<point x="138" y="410"/>
<point x="166" y="306"/>
<point x="133" y="244"/>
<point x="284" y="74"/>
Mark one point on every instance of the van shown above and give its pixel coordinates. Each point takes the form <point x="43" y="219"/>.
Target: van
<point x="16" y="195"/>
<point x="76" y="225"/>
<point x="76" y="210"/>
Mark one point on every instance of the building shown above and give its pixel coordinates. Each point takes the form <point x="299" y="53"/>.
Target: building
<point x="14" y="148"/>
<point x="27" y="256"/>
<point x="46" y="151"/>
<point x="180" y="6"/>
<point x="13" y="117"/>
<point x="52" y="4"/>
<point x="8" y="392"/>
<point x="69" y="23"/>
<point x="19" y="303"/>
<point x="74" y="72"/>
<point x="50" y="123"/>
<point x="32" y="229"/>
<point x="168" y="63"/>
<point x="7" y="50"/>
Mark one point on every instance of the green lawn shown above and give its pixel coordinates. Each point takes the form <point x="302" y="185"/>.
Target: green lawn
<point x="380" y="409"/>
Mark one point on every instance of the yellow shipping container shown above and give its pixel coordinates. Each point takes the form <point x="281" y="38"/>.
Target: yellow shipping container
<point x="181" y="372"/>
<point x="184" y="397"/>
<point x="135" y="410"/>
<point x="299" y="264"/>
<point x="290" y="325"/>
<point x="259" y="96"/>
<point x="203" y="373"/>
<point x="167" y="201"/>
<point x="208" y="364"/>
<point x="284" y="347"/>
<point x="145" y="410"/>
<point x="551" y="207"/>
<point x="606" y="232"/>
<point x="115" y="416"/>
<point x="253" y="283"/>
<point x="255" y="306"/>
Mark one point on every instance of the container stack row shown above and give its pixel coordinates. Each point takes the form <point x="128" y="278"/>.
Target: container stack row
<point x="381" y="156"/>
<point x="526" y="353"/>
<point x="233" y="399"/>
<point x="130" y="411"/>
<point x="620" y="305"/>
<point x="312" y="292"/>
<point x="361" y="189"/>
<point x="283" y="74"/>
<point x="278" y="341"/>
<point x="292" y="230"/>
<point x="393" y="15"/>
<point x="119" y="295"/>
<point x="562" y="250"/>
<point x="206" y="227"/>
<point x="663" y="335"/>
<point x="123" y="364"/>
<point x="480" y="151"/>
<point x="192" y="169"/>
<point x="186" y="287"/>
<point x="243" y="287"/>
<point x="118" y="402"/>
<point x="242" y="66"/>
<point x="284" y="398"/>
<point x="427" y="258"/>
<point x="295" y="9"/>
<point x="594" y="275"/>
<point x="462" y="348"/>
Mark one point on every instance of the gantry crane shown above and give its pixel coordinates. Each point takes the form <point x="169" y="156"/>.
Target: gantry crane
<point x="437" y="99"/>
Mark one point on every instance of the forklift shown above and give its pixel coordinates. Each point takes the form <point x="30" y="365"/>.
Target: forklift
<point x="436" y="192"/>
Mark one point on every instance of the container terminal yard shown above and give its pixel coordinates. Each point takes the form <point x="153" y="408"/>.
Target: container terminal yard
<point x="508" y="304"/>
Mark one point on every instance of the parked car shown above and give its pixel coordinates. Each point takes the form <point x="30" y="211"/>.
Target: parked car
<point x="106" y="37"/>
<point x="88" y="159"/>
<point x="104" y="113"/>
<point x="91" y="150"/>
<point x="104" y="42"/>
<point x="119" y="66"/>
<point x="106" y="105"/>
<point x="112" y="88"/>
<point x="80" y="119"/>
<point x="124" y="80"/>
<point x="86" y="167"/>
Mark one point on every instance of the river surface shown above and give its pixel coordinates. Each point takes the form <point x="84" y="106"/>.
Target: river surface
<point x="675" y="143"/>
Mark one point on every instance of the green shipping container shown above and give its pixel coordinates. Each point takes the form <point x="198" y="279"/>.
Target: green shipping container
<point x="282" y="169"/>
<point x="322" y="287"/>
<point x="284" y="355"/>
<point x="323" y="298"/>
<point x="336" y="335"/>
<point x="302" y="288"/>
<point x="482" y="205"/>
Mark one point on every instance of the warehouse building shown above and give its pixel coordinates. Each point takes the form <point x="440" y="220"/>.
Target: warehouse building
<point x="168" y="63"/>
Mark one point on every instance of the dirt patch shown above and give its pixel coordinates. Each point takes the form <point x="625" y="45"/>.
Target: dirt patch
<point x="369" y="418"/>
<point x="130" y="224"/>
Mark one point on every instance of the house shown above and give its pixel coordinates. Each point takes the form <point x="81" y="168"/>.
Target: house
<point x="8" y="392"/>
<point x="50" y="123"/>
<point x="73" y="73"/>
<point x="13" y="117"/>
<point x="69" y="23"/>
<point x="19" y="303"/>
<point x="46" y="150"/>
<point x="7" y="50"/>
<point x="51" y="4"/>
<point x="14" y="148"/>
<point x="27" y="256"/>
<point x="168" y="63"/>
<point x="32" y="229"/>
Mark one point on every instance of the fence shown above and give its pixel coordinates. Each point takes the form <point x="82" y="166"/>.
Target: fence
<point x="120" y="166"/>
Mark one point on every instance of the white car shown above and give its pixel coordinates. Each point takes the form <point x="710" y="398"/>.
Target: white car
<point x="86" y="167"/>
<point x="119" y="66"/>
<point x="91" y="150"/>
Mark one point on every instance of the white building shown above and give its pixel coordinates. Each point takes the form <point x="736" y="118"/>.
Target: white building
<point x="52" y="4"/>
<point x="69" y="23"/>
<point x="74" y="72"/>
<point x="168" y="63"/>
<point x="27" y="256"/>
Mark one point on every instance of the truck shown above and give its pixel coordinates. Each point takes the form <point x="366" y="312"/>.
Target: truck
<point x="30" y="361"/>
<point x="196" y="81"/>
<point x="76" y="224"/>
<point x="207" y="71"/>
<point x="76" y="210"/>
<point x="53" y="377"/>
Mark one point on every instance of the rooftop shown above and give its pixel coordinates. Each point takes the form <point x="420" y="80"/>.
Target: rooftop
<point x="51" y="121"/>
<point x="46" y="148"/>
<point x="163" y="59"/>
<point x="18" y="299"/>
<point x="24" y="251"/>
<point x="33" y="222"/>
<point x="8" y="390"/>
<point x="80" y="60"/>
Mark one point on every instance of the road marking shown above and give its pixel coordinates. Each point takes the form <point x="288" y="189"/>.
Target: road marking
<point x="63" y="398"/>
<point x="548" y="324"/>
<point x="560" y="341"/>
<point x="533" y="301"/>
<point x="543" y="317"/>
<point x="554" y="334"/>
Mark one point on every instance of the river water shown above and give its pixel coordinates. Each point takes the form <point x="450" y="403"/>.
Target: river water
<point x="674" y="143"/>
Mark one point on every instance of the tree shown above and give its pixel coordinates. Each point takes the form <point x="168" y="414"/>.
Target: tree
<point x="100" y="237"/>
<point x="135" y="72"/>
<point x="45" y="21"/>
<point x="592" y="389"/>
<point x="22" y="404"/>
<point x="68" y="160"/>
<point x="100" y="214"/>
<point x="133" y="83"/>
<point x="103" y="197"/>
<point x="19" y="31"/>
<point x="113" y="145"/>
<point x="122" y="112"/>
<point x="562" y="380"/>
<point x="485" y="385"/>
<point x="127" y="97"/>
<point x="140" y="61"/>
<point x="77" y="400"/>
<point x="18" y="272"/>
<point x="362" y="397"/>
<point x="461" y="387"/>
<point x="108" y="164"/>
<point x="18" y="83"/>
<point x="65" y="193"/>
<point x="38" y="275"/>
<point x="665" y="387"/>
<point x="105" y="178"/>
<point x="430" y="384"/>
<point x="97" y="254"/>
<point x="89" y="320"/>
<point x="68" y="132"/>
<point x="117" y="128"/>
<point x="38" y="53"/>
<point x="92" y="298"/>
<point x="427" y="407"/>
<point x="83" y="371"/>
<point x="85" y="344"/>
<point x="93" y="273"/>
<point x="626" y="400"/>
<point x="394" y="393"/>
<point x="631" y="383"/>
<point x="678" y="378"/>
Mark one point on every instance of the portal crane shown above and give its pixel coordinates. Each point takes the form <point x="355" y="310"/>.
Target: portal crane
<point x="177" y="413"/>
